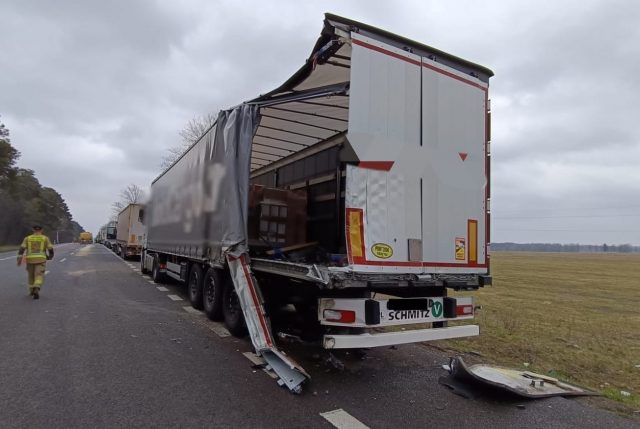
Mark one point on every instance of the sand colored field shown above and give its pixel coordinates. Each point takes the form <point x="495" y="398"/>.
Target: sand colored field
<point x="574" y="316"/>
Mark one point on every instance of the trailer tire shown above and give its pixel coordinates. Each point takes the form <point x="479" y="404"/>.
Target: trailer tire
<point x="194" y="286"/>
<point x="232" y="312"/>
<point x="143" y="269"/>
<point x="212" y="294"/>
<point x="156" y="275"/>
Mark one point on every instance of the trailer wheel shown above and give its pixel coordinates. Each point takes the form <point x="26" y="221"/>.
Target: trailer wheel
<point x="156" y="275"/>
<point x="232" y="312"/>
<point x="195" y="286"/>
<point x="212" y="294"/>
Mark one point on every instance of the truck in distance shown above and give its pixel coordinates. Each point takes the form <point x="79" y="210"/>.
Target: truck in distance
<point x="110" y="235"/>
<point x="343" y="204"/>
<point x="85" y="238"/>
<point x="129" y="231"/>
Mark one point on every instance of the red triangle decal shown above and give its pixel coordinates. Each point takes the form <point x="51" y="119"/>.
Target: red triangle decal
<point x="463" y="155"/>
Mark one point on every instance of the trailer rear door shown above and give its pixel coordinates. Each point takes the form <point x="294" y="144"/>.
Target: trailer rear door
<point x="417" y="199"/>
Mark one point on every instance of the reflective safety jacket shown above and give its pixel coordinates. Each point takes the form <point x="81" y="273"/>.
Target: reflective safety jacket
<point x="36" y="246"/>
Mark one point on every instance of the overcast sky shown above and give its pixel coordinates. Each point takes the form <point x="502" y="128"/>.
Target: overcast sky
<point x="95" y="92"/>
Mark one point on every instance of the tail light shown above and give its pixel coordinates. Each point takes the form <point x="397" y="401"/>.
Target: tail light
<point x="464" y="310"/>
<point x="340" y="316"/>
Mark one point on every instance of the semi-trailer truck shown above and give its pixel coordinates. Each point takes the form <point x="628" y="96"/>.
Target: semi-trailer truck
<point x="101" y="235"/>
<point x="110" y="235"/>
<point x="343" y="204"/>
<point x="129" y="231"/>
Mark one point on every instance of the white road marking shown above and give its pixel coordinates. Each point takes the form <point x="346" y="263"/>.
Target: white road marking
<point x="192" y="310"/>
<point x="175" y="298"/>
<point x="162" y="289"/>
<point x="151" y="282"/>
<point x="46" y="272"/>
<point x="343" y="420"/>
<point x="219" y="329"/>
<point x="10" y="257"/>
<point x="63" y="259"/>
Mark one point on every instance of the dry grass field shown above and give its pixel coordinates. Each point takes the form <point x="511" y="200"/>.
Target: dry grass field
<point x="573" y="316"/>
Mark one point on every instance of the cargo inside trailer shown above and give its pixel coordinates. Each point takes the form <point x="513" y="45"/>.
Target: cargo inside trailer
<point x="305" y="221"/>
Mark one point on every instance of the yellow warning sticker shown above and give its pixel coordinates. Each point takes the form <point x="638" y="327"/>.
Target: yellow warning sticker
<point x="461" y="253"/>
<point x="382" y="251"/>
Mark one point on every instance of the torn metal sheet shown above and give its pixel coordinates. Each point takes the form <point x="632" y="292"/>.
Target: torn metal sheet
<point x="291" y="374"/>
<point x="523" y="383"/>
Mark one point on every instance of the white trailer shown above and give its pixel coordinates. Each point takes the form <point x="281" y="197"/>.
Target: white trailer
<point x="129" y="231"/>
<point x="386" y="141"/>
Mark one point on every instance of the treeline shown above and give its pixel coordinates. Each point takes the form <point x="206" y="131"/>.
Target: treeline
<point x="557" y="247"/>
<point x="25" y="202"/>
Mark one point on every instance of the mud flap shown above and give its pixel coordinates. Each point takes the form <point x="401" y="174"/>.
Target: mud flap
<point x="290" y="373"/>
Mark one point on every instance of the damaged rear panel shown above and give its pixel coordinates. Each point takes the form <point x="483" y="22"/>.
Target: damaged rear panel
<point x="416" y="200"/>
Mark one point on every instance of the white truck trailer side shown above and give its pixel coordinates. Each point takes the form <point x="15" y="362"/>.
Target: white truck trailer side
<point x="356" y="193"/>
<point x="129" y="231"/>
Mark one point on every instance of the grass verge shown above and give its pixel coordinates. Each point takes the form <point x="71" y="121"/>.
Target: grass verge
<point x="570" y="315"/>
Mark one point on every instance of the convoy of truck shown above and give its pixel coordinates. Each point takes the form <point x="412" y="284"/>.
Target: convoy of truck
<point x="336" y="208"/>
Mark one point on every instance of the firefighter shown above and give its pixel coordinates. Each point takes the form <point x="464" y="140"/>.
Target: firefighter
<point x="36" y="250"/>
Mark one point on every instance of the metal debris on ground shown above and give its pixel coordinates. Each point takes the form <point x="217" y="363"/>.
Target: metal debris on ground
<point x="335" y="362"/>
<point x="523" y="383"/>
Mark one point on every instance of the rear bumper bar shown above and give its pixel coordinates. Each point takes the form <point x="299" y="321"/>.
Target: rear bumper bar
<point x="394" y="338"/>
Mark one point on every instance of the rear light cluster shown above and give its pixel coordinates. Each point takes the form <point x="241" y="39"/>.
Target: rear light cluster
<point x="464" y="310"/>
<point x="340" y="316"/>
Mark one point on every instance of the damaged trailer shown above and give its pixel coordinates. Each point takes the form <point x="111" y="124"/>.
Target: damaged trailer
<point x="343" y="203"/>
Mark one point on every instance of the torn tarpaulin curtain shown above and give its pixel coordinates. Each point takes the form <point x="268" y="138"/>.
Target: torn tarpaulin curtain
<point x="228" y="180"/>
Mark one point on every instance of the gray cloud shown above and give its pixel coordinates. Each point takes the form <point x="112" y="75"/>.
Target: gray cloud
<point x="95" y="92"/>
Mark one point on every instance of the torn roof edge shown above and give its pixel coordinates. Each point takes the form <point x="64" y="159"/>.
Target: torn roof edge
<point x="328" y="33"/>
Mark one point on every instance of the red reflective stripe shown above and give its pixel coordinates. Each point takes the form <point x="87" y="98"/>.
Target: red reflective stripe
<point x="384" y="51"/>
<point x="256" y="302"/>
<point x="418" y="264"/>
<point x="376" y="165"/>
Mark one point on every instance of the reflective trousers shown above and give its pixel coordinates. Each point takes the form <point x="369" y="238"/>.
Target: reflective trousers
<point x="36" y="274"/>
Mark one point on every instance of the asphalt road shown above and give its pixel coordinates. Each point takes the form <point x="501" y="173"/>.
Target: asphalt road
<point x="104" y="347"/>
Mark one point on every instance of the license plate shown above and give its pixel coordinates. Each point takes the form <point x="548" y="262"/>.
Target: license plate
<point x="431" y="310"/>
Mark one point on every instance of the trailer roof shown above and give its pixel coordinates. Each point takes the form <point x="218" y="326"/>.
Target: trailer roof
<point x="312" y="106"/>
